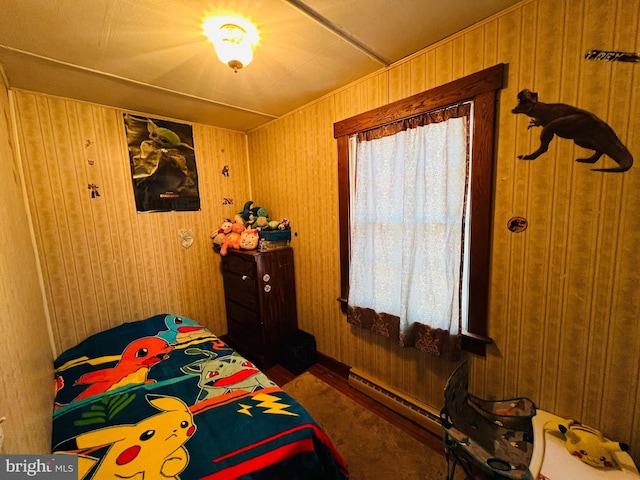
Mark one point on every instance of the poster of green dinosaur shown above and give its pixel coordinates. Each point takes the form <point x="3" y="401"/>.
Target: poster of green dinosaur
<point x="163" y="164"/>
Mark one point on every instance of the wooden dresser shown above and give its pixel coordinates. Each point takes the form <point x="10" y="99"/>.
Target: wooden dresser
<point x="260" y="298"/>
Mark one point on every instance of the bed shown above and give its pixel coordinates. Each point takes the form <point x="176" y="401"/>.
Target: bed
<point x="164" y="398"/>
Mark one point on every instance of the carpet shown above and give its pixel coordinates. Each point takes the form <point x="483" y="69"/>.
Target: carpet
<point x="372" y="447"/>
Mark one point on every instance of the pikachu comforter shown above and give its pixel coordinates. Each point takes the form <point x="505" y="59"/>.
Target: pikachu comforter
<point x="164" y="398"/>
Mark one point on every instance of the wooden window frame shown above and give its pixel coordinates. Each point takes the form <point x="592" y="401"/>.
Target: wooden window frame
<point x="481" y="88"/>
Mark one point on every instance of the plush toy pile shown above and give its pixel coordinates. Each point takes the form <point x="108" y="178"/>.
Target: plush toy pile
<point x="242" y="233"/>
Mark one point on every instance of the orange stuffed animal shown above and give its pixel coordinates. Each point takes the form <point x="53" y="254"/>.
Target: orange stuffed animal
<point x="232" y="240"/>
<point x="249" y="239"/>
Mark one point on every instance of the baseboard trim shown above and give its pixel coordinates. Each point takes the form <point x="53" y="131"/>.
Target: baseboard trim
<point x="419" y="413"/>
<point x="337" y="367"/>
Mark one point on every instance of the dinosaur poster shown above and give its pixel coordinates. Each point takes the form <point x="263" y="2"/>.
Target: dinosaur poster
<point x="163" y="164"/>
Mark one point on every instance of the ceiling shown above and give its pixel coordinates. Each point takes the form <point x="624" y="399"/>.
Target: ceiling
<point x="152" y="56"/>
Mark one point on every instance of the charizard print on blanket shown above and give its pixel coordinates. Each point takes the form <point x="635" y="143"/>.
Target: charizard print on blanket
<point x="165" y="398"/>
<point x="138" y="357"/>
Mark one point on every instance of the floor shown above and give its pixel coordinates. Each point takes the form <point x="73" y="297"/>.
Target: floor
<point x="338" y="380"/>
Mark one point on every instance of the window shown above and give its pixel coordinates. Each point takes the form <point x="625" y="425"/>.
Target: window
<point x="479" y="91"/>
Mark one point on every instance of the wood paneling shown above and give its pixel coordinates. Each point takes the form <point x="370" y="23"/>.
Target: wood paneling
<point x="564" y="304"/>
<point x="26" y="357"/>
<point x="563" y="309"/>
<point x="104" y="263"/>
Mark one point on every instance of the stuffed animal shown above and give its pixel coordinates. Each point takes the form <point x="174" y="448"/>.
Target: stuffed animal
<point x="284" y="224"/>
<point x="588" y="444"/>
<point x="261" y="223"/>
<point x="238" y="219"/>
<point x="249" y="213"/>
<point x="249" y="239"/>
<point x="233" y="239"/>
<point x="262" y="212"/>
<point x="223" y="231"/>
<point x="262" y="219"/>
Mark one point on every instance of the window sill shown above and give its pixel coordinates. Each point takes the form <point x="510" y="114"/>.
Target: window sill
<point x="476" y="344"/>
<point x="343" y="304"/>
<point x="471" y="342"/>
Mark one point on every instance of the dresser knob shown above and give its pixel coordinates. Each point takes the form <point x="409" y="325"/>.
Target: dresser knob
<point x="266" y="277"/>
<point x="244" y="277"/>
<point x="267" y="288"/>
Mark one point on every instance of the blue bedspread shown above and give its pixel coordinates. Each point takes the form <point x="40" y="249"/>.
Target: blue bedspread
<point x="164" y="398"/>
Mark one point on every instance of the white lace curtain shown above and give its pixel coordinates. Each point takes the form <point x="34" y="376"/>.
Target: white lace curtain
<point x="407" y="218"/>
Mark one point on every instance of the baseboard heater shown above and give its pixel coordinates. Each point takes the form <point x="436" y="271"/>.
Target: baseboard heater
<point x="418" y="412"/>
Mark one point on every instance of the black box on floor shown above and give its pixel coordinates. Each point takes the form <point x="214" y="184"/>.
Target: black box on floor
<point x="298" y="352"/>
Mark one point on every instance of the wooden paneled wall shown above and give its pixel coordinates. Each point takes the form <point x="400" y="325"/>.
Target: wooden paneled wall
<point x="564" y="306"/>
<point x="26" y="389"/>
<point x="104" y="263"/>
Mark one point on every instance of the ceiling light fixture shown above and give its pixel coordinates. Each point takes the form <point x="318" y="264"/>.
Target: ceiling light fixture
<point x="233" y="44"/>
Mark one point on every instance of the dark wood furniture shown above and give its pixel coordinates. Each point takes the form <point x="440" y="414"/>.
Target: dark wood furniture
<point x="260" y="298"/>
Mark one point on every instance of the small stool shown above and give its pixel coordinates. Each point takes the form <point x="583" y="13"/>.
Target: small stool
<point x="298" y="352"/>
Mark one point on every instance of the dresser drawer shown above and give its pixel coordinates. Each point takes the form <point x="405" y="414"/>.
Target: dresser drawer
<point x="260" y="301"/>
<point x="241" y="289"/>
<point x="239" y="264"/>
<point x="245" y="317"/>
<point x="246" y="341"/>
